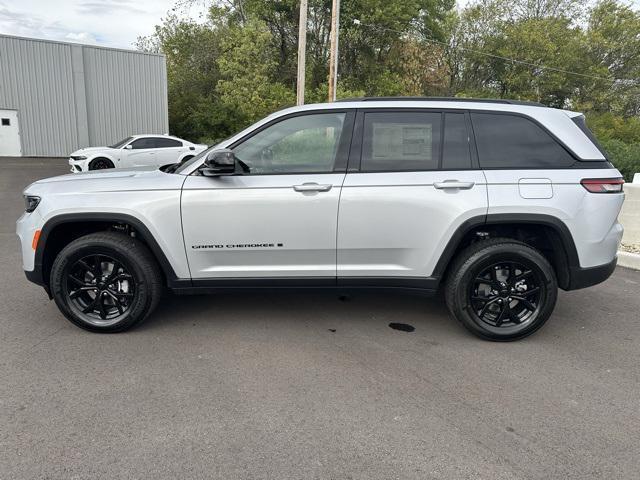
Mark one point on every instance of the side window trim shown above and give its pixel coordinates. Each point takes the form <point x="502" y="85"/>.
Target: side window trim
<point x="343" y="143"/>
<point x="355" y="152"/>
<point x="442" y="127"/>
<point x="473" y="147"/>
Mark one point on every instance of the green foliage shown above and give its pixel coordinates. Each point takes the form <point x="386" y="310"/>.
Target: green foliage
<point x="625" y="157"/>
<point x="608" y="126"/>
<point x="247" y="69"/>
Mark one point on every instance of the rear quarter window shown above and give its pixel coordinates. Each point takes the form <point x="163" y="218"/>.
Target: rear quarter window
<point x="581" y="122"/>
<point x="511" y="141"/>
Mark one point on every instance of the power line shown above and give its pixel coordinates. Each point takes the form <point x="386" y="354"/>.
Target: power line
<point x="492" y="55"/>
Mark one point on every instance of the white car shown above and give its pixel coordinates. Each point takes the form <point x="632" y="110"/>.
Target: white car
<point x="135" y="151"/>
<point x="500" y="203"/>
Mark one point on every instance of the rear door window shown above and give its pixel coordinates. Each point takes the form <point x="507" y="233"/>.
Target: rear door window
<point x="401" y="141"/>
<point x="167" y="143"/>
<point x="511" y="141"/>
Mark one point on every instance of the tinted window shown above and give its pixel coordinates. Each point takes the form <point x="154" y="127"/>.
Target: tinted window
<point x="6" y="122"/>
<point x="510" y="141"/>
<point x="581" y="122"/>
<point x="400" y="141"/>
<point x="167" y="143"/>
<point x="455" y="150"/>
<point x="298" y="144"/>
<point x="141" y="143"/>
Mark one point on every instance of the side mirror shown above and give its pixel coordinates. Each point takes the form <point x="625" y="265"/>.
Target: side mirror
<point x="218" y="163"/>
<point x="128" y="147"/>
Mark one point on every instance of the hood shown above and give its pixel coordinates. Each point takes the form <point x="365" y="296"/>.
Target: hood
<point x="102" y="181"/>
<point x="110" y="174"/>
<point x="90" y="149"/>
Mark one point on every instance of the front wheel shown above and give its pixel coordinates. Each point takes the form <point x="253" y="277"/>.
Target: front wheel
<point x="501" y="289"/>
<point x="101" y="164"/>
<point x="105" y="282"/>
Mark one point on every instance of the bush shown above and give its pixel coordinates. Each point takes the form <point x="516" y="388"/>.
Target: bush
<point x="625" y="157"/>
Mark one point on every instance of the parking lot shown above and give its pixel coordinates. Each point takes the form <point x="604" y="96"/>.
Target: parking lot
<point x="311" y="385"/>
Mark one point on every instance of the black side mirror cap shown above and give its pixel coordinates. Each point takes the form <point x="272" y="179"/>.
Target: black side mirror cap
<point x="218" y="163"/>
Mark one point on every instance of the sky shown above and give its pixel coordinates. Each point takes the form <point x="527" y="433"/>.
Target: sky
<point x="110" y="23"/>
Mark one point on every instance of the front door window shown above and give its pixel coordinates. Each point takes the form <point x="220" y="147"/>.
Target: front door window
<point x="302" y="144"/>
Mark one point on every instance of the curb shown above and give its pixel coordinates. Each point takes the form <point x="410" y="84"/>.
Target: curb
<point x="629" y="260"/>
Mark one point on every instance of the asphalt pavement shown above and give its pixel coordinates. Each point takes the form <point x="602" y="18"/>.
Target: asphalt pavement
<point x="311" y="386"/>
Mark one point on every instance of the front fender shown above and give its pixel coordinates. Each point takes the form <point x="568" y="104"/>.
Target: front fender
<point x="40" y="260"/>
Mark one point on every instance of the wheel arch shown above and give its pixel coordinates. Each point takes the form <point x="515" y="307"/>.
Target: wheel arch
<point x="186" y="156"/>
<point x="58" y="231"/>
<point x="101" y="156"/>
<point x="544" y="232"/>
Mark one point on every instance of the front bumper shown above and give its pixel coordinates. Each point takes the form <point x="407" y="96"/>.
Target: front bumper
<point x="26" y="227"/>
<point x="78" y="166"/>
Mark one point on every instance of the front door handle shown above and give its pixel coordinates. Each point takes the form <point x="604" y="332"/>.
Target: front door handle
<point x="312" y="187"/>
<point x="453" y="184"/>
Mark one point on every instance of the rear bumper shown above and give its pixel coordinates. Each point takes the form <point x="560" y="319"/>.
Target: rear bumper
<point x="586" y="277"/>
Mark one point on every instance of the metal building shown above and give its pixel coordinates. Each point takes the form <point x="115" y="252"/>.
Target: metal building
<point x="57" y="97"/>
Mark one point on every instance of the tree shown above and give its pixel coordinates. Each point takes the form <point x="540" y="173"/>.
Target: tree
<point x="247" y="88"/>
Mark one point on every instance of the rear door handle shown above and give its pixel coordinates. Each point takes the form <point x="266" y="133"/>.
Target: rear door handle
<point x="453" y="184"/>
<point x="312" y="187"/>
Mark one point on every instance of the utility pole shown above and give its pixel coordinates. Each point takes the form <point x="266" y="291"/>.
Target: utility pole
<point x="302" y="50"/>
<point x="333" y="54"/>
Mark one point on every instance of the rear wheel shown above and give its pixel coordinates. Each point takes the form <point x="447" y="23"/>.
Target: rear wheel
<point x="101" y="164"/>
<point x="105" y="282"/>
<point x="501" y="289"/>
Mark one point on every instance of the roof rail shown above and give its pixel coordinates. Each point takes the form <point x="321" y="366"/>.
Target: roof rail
<point x="443" y="99"/>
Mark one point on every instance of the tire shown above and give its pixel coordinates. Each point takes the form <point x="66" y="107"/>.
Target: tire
<point x="78" y="273"/>
<point x="501" y="289"/>
<point x="101" y="164"/>
<point x="186" y="159"/>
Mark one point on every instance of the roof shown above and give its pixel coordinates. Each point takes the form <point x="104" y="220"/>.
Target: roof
<point x="443" y="99"/>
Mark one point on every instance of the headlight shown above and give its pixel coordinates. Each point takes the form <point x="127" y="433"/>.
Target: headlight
<point x="78" y="157"/>
<point x="31" y="203"/>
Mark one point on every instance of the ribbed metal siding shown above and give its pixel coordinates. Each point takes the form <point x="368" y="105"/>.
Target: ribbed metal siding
<point x="126" y="94"/>
<point x="36" y="79"/>
<point x="113" y="93"/>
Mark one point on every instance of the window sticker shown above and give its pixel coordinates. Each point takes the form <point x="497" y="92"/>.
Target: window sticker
<point x="401" y="141"/>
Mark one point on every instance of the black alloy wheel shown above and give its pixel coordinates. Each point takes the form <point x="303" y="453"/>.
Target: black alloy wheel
<point x="100" y="289"/>
<point x="506" y="294"/>
<point x="101" y="164"/>
<point x="106" y="281"/>
<point x="501" y="289"/>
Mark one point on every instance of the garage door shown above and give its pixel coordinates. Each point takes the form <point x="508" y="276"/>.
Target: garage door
<point x="9" y="134"/>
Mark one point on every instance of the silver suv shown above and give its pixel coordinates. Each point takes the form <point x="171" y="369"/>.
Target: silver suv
<point x="498" y="202"/>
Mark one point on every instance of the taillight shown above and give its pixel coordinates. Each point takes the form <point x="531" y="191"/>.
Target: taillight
<point x="603" y="185"/>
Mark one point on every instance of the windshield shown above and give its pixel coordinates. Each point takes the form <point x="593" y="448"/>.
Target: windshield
<point x="121" y="143"/>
